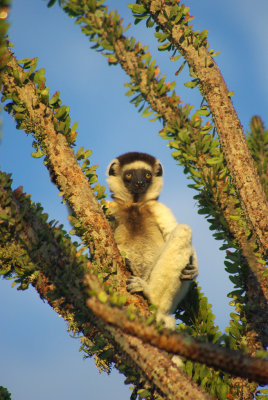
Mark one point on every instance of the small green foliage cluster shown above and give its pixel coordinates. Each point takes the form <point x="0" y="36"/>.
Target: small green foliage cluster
<point x="238" y="273"/>
<point x="93" y="18"/>
<point x="24" y="261"/>
<point x="175" y="14"/>
<point x="262" y="394"/>
<point x="258" y="143"/>
<point x="82" y="157"/>
<point x="14" y="259"/>
<point x="96" y="22"/>
<point x="61" y="118"/>
<point x="198" y="321"/>
<point x="214" y="382"/>
<point x="100" y="349"/>
<point x="4" y="394"/>
<point x="141" y="389"/>
<point x="4" y="10"/>
<point x="17" y="261"/>
<point x="197" y="317"/>
<point x="18" y="107"/>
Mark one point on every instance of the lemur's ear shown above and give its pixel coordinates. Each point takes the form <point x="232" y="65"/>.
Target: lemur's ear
<point x="158" y="169"/>
<point x="112" y="167"/>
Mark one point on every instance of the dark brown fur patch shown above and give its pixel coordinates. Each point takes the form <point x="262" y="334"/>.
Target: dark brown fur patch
<point x="133" y="217"/>
<point x="128" y="158"/>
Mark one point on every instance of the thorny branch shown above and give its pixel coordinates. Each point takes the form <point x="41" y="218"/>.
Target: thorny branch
<point x="231" y="135"/>
<point x="58" y="277"/>
<point x="236" y="363"/>
<point x="52" y="261"/>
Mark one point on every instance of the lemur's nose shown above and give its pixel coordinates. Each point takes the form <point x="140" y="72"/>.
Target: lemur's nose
<point x="139" y="183"/>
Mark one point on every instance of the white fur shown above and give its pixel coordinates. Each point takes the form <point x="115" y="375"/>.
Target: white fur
<point x="120" y="192"/>
<point x="164" y="288"/>
<point x="136" y="165"/>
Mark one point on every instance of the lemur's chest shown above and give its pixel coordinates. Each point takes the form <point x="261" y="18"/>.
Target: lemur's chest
<point x="136" y="220"/>
<point x="137" y="231"/>
<point x="138" y="235"/>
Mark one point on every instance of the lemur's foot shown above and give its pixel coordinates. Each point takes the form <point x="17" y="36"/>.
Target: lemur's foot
<point x="136" y="284"/>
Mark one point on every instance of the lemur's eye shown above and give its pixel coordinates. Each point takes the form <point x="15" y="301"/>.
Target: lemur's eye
<point x="148" y="175"/>
<point x="128" y="176"/>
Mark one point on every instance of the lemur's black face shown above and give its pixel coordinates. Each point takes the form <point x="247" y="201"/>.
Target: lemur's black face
<point x="137" y="181"/>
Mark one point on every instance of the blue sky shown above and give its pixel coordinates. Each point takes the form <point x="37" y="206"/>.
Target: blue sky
<point x="39" y="359"/>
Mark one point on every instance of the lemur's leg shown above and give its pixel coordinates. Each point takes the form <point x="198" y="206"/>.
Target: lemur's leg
<point x="165" y="287"/>
<point x="171" y="276"/>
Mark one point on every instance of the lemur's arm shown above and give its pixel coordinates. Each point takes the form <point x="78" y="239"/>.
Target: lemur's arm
<point x="163" y="217"/>
<point x="167" y="224"/>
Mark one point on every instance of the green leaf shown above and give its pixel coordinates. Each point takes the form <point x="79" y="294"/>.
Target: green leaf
<point x="165" y="46"/>
<point x="5" y="217"/>
<point x="74" y="127"/>
<point x="54" y="98"/>
<point x="222" y="391"/>
<point x="206" y="143"/>
<point x="61" y="112"/>
<point x="203" y="111"/>
<point x="161" y="36"/>
<point x="147" y="112"/>
<point x="102" y="296"/>
<point x="189" y="368"/>
<point x="20" y="116"/>
<point x="39" y="76"/>
<point x="175" y="58"/>
<point x="51" y="3"/>
<point x="18" y="108"/>
<point x="137" y="8"/>
<point x="215" y="54"/>
<point x="38" y="153"/>
<point x="215" y="160"/>
<point x="16" y="75"/>
<point x="235" y="217"/>
<point x="180" y="69"/>
<point x="265" y="273"/>
<point x="45" y="95"/>
<point x="192" y="84"/>
<point x="150" y="22"/>
<point x="87" y="154"/>
<point x="231" y="268"/>
<point x="183" y="136"/>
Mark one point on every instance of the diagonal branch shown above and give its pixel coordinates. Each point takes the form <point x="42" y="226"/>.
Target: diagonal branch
<point x="231" y="135"/>
<point x="236" y="363"/>
<point x="58" y="275"/>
